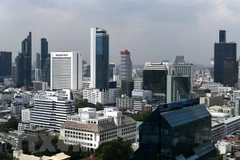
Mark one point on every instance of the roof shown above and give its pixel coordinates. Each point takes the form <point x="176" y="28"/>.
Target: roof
<point x="28" y="157"/>
<point x="59" y="156"/>
<point x="232" y="119"/>
<point x="185" y="115"/>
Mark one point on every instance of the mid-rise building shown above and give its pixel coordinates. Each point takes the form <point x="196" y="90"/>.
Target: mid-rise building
<point x="138" y="83"/>
<point x="66" y="70"/>
<point x="112" y="69"/>
<point x="124" y="102"/>
<point x="26" y="115"/>
<point x="55" y="106"/>
<point x="180" y="130"/>
<point x="223" y="51"/>
<point x="24" y="63"/>
<point x="154" y="77"/>
<point x="91" y="128"/>
<point x="5" y="64"/>
<point x="99" y="58"/>
<point x="16" y="108"/>
<point x="184" y="69"/>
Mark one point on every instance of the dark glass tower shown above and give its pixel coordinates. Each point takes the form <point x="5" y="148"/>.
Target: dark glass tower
<point x="5" y="64"/>
<point x="180" y="130"/>
<point x="44" y="51"/>
<point x="24" y="63"/>
<point x="38" y="61"/>
<point x="99" y="58"/>
<point x="222" y="52"/>
<point x="46" y="71"/>
<point x="228" y="72"/>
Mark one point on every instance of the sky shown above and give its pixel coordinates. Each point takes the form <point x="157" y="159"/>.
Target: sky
<point x="152" y="30"/>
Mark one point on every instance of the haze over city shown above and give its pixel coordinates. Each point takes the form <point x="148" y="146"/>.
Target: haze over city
<point x="152" y="30"/>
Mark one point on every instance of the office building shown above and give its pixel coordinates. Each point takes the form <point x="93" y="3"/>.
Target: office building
<point x="14" y="72"/>
<point x="55" y="106"/>
<point x="37" y="74"/>
<point x="124" y="102"/>
<point x="38" y="61"/>
<point x="154" y="77"/>
<point x="26" y="115"/>
<point x="24" y="63"/>
<point x="138" y="83"/>
<point x="91" y="128"/>
<point x="66" y="70"/>
<point x="16" y="108"/>
<point x="99" y="96"/>
<point x="99" y="58"/>
<point x="222" y="52"/>
<point x="228" y="72"/>
<point x="184" y="69"/>
<point x="178" y="59"/>
<point x="86" y="70"/>
<point x="178" y="88"/>
<point x="5" y="64"/>
<point x="45" y="71"/>
<point x="180" y="130"/>
<point x="44" y="52"/>
<point x="112" y="69"/>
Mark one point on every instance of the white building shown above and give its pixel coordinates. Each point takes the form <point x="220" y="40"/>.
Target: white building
<point x="26" y="115"/>
<point x="16" y="108"/>
<point x="86" y="82"/>
<point x="138" y="83"/>
<point x="66" y="70"/>
<point x="104" y="97"/>
<point x="91" y="128"/>
<point x="51" y="109"/>
<point x="144" y="94"/>
<point x="124" y="102"/>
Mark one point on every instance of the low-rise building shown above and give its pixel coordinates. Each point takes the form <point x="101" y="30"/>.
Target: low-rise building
<point x="91" y="128"/>
<point x="124" y="102"/>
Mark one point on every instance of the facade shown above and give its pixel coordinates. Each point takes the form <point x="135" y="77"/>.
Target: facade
<point x="91" y="128"/>
<point x="179" y="59"/>
<point x="37" y="75"/>
<point x="38" y="61"/>
<point x="24" y="63"/>
<point x="99" y="58"/>
<point x="86" y="70"/>
<point x="184" y="69"/>
<point x="228" y="72"/>
<point x="127" y="87"/>
<point x="138" y="83"/>
<point x="223" y="51"/>
<point x="155" y="77"/>
<point x="179" y="130"/>
<point x="66" y="70"/>
<point x="26" y="115"/>
<point x="124" y="102"/>
<point x="55" y="106"/>
<point x="178" y="88"/>
<point x="104" y="97"/>
<point x="45" y="71"/>
<point x="16" y="108"/>
<point x="112" y="69"/>
<point x="5" y="64"/>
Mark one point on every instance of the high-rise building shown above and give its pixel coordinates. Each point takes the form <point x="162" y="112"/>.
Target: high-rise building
<point x="228" y="72"/>
<point x="155" y="77"/>
<point x="55" y="106"/>
<point x="24" y="63"/>
<point x="45" y="71"/>
<point x="66" y="70"/>
<point x="44" y="52"/>
<point x="99" y="58"/>
<point x="223" y="51"/>
<point x="178" y="87"/>
<point x="86" y="70"/>
<point x="126" y="73"/>
<point x="184" y="69"/>
<point x="178" y="59"/>
<point x="112" y="69"/>
<point x="5" y="64"/>
<point x="180" y="130"/>
<point x="38" y="61"/>
<point x="14" y="72"/>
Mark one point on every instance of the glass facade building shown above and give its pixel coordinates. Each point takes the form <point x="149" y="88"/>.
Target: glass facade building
<point x="5" y="64"/>
<point x="222" y="52"/>
<point x="179" y="131"/>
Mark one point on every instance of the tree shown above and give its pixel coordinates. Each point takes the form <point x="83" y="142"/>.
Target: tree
<point x="141" y="115"/>
<point x="115" y="150"/>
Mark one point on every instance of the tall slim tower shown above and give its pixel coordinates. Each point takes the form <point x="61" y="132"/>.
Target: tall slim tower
<point x="38" y="61"/>
<point x="44" y="51"/>
<point x="224" y="51"/>
<point x="99" y="58"/>
<point x="24" y="63"/>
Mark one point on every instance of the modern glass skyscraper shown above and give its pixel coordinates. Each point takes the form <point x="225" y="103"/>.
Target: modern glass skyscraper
<point x="5" y="64"/>
<point x="44" y="51"/>
<point x="38" y="61"/>
<point x="99" y="58"/>
<point x="223" y="51"/>
<point x="180" y="130"/>
<point x="24" y="63"/>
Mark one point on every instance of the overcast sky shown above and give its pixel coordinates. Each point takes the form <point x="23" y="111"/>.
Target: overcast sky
<point x="152" y="30"/>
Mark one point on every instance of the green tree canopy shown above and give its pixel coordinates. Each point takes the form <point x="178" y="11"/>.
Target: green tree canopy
<point x="115" y="150"/>
<point x="141" y="115"/>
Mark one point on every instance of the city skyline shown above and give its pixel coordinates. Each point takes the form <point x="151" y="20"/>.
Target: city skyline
<point x="66" y="26"/>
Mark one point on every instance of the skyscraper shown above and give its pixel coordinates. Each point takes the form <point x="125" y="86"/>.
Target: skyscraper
<point x="112" y="68"/>
<point x="180" y="130"/>
<point x="228" y="72"/>
<point x="38" y="61"/>
<point x="44" y="51"/>
<point x="24" y="63"/>
<point x="99" y="58"/>
<point x="185" y="69"/>
<point x="5" y="64"/>
<point x="178" y="59"/>
<point x="223" y="51"/>
<point x="66" y="70"/>
<point x="126" y="73"/>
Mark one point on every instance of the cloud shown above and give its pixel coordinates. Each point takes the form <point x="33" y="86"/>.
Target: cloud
<point x="153" y="30"/>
